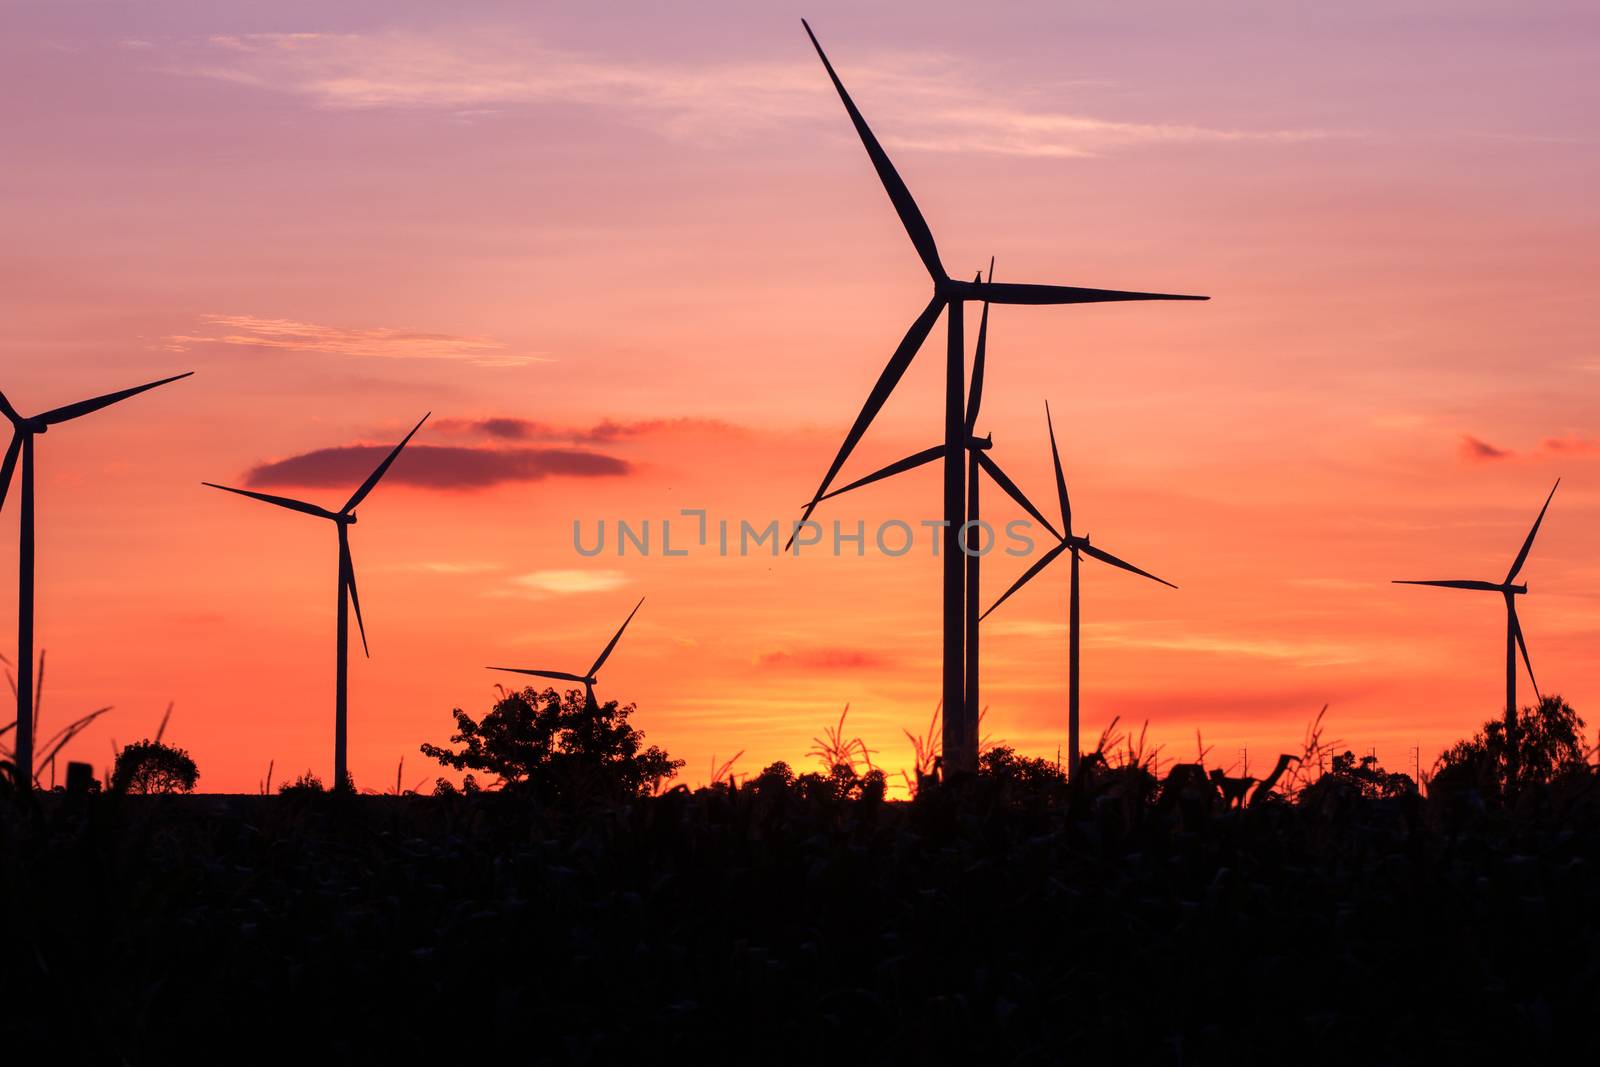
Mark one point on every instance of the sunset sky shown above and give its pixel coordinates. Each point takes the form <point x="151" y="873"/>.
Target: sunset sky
<point x="633" y="259"/>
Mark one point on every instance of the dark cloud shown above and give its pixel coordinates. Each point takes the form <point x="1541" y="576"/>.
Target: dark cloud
<point x="434" y="466"/>
<point x="1475" y="451"/>
<point x="1571" y="445"/>
<point x="822" y="659"/>
<point x="511" y="428"/>
<point x="508" y="429"/>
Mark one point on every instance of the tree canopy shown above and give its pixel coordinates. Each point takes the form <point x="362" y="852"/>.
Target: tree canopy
<point x="153" y="767"/>
<point x="556" y="742"/>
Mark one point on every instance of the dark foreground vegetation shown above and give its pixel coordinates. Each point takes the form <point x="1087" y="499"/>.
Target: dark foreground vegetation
<point x="1009" y="918"/>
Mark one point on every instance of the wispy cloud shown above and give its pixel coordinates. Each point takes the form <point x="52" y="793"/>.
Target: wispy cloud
<point x="250" y="331"/>
<point x="1571" y="445"/>
<point x="433" y="467"/>
<point x="1474" y="450"/>
<point x="451" y="568"/>
<point x="924" y="101"/>
<point x="566" y="582"/>
<point x="1331" y="584"/>
<point x="1311" y="652"/>
<point x="512" y="428"/>
<point x="1025" y="628"/>
<point x="821" y="659"/>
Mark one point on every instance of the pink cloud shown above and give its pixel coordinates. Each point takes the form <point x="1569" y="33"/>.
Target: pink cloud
<point x="513" y="428"/>
<point x="435" y="466"/>
<point x="1474" y="450"/>
<point x="822" y="659"/>
<point x="1570" y="445"/>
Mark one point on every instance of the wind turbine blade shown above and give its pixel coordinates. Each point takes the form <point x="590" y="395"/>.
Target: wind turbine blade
<point x="84" y="407"/>
<point x="281" y="501"/>
<point x="1022" y="293"/>
<point x="614" y="639"/>
<point x="1106" y="557"/>
<point x="1485" y="586"/>
<point x="892" y="373"/>
<point x="927" y="455"/>
<point x="1061" y="480"/>
<point x="1522" y="557"/>
<point x="910" y="217"/>
<point x="1027" y="576"/>
<point x="1013" y="492"/>
<point x="8" y="466"/>
<point x="347" y="565"/>
<point x="562" y="675"/>
<point x="7" y="410"/>
<point x="1516" y="628"/>
<point x="975" y="395"/>
<point x="366" y="487"/>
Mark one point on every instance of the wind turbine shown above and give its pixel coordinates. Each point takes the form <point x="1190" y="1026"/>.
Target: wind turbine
<point x="342" y="519"/>
<point x="23" y="431"/>
<point x="949" y="295"/>
<point x="589" y="705"/>
<point x="1077" y="547"/>
<point x="1514" y="639"/>
<point x="978" y="459"/>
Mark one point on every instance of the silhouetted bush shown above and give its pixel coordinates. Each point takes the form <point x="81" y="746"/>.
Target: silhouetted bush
<point x="1352" y="776"/>
<point x="1025" y="773"/>
<point x="308" y="784"/>
<point x="153" y="767"/>
<point x="843" y="783"/>
<point x="557" y="745"/>
<point x="444" y="787"/>
<point x="774" y="775"/>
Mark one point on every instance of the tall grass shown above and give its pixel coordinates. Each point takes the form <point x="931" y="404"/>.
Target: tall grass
<point x="833" y="749"/>
<point x="44" y="753"/>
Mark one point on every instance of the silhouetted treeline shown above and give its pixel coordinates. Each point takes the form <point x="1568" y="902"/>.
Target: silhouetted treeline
<point x="1013" y="918"/>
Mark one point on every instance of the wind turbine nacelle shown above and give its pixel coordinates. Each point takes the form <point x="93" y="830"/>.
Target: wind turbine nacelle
<point x="1518" y="590"/>
<point x="33" y="426"/>
<point x="346" y="520"/>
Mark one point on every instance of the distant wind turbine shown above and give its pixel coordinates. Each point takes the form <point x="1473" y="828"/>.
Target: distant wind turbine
<point x="978" y="458"/>
<point x="1077" y="547"/>
<point x="1514" y="638"/>
<point x="589" y="679"/>
<point x="342" y="519"/>
<point x="23" y="431"/>
<point x="949" y="295"/>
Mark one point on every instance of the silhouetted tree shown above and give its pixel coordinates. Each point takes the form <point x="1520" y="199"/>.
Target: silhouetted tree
<point x="842" y="783"/>
<point x="1358" y="776"/>
<point x="1549" y="744"/>
<point x="553" y="742"/>
<point x="1025" y="773"/>
<point x="778" y="775"/>
<point x="153" y="767"/>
